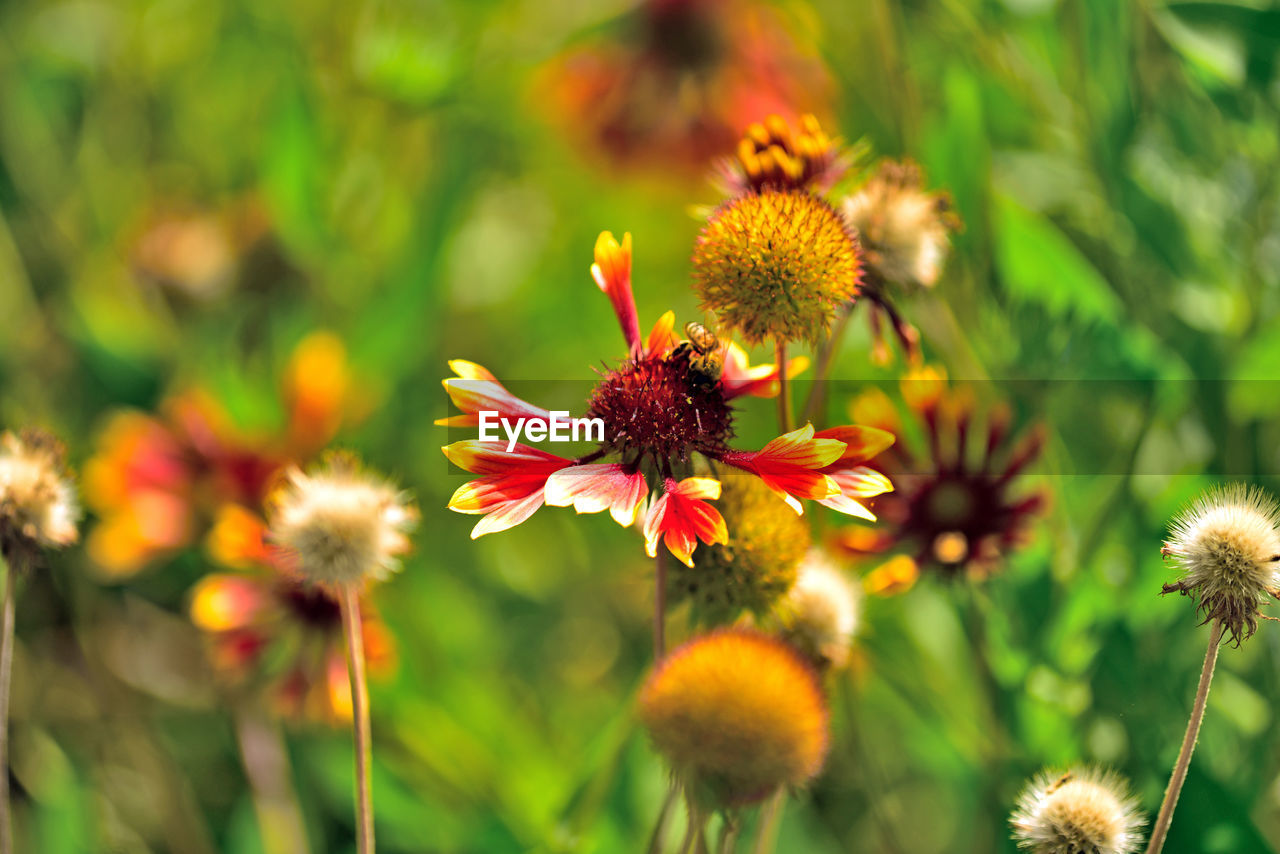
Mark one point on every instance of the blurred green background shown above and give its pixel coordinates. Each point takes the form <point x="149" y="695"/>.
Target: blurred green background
<point x="394" y="172"/>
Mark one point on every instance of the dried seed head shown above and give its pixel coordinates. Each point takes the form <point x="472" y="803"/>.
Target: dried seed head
<point x="758" y="564"/>
<point x="1085" y="811"/>
<point x="737" y="714"/>
<point x="821" y="610"/>
<point x="339" y="524"/>
<point x="776" y="265"/>
<point x="1228" y="549"/>
<point x="904" y="230"/>
<point x="38" y="506"/>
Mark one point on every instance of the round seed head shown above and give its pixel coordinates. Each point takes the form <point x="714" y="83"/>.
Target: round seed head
<point x="339" y="524"/>
<point x="737" y="714"/>
<point x="1080" y="812"/>
<point x="1228" y="549"/>
<point x="821" y="610"/>
<point x="38" y="506"/>
<point x="776" y="265"/>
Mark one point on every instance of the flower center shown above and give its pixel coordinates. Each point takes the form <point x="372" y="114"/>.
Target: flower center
<point x="312" y="606"/>
<point x="662" y="409"/>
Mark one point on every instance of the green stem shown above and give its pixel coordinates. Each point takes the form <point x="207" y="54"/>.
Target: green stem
<point x="784" y="389"/>
<point x="659" y="603"/>
<point x="770" y="821"/>
<point x="729" y="834"/>
<point x="360" y="716"/>
<point x="266" y="765"/>
<point x="6" y="670"/>
<point x="658" y="837"/>
<point x="1161" y="828"/>
<point x="692" y="833"/>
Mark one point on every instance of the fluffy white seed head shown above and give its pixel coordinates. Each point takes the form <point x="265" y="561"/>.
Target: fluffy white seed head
<point x="1228" y="549"/>
<point x="904" y="230"/>
<point x="1084" y="811"/>
<point x="821" y="610"/>
<point x="341" y="525"/>
<point x="38" y="506"/>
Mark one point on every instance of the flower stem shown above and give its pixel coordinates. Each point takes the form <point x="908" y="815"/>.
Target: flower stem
<point x="1161" y="828"/>
<point x="360" y="716"/>
<point x="6" y="669"/>
<point x="693" y="832"/>
<point x="729" y="834"/>
<point x="826" y="355"/>
<point x="659" y="604"/>
<point x="784" y="389"/>
<point x="770" y="821"/>
<point x="658" y="837"/>
<point x="266" y="766"/>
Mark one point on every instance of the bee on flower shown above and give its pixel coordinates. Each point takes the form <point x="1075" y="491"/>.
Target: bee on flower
<point x="661" y="412"/>
<point x="957" y="510"/>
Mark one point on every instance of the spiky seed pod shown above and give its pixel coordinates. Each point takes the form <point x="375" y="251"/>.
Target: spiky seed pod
<point x="737" y="714"/>
<point x="1228" y="549"/>
<point x="776" y="265"/>
<point x="905" y="232"/>
<point x="820" y="611"/>
<point x="38" y="506"/>
<point x="1084" y="811"/>
<point x="755" y="568"/>
<point x="340" y="525"/>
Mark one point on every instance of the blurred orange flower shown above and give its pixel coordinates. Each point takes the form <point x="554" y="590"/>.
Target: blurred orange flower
<point x="156" y="481"/>
<point x="673" y="82"/>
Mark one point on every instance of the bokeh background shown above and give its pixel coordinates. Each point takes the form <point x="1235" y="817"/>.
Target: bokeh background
<point x="188" y="190"/>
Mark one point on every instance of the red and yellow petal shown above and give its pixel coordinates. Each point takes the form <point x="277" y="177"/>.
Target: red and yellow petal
<point x="595" y="488"/>
<point x="512" y="488"/>
<point x="894" y="576"/>
<point x="681" y="517"/>
<point x="223" y="603"/>
<point x="741" y="377"/>
<point x="861" y="443"/>
<point x="663" y="338"/>
<point x="856" y="482"/>
<point x="791" y="465"/>
<point x="612" y="272"/>
<point x="475" y="390"/>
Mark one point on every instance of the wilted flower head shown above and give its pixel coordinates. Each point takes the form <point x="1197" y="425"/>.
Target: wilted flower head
<point x="338" y="524"/>
<point x="820" y="611"/>
<point x="1228" y="549"/>
<point x="754" y="568"/>
<point x="1080" y="812"/>
<point x="737" y="714"/>
<point x="957" y="508"/>
<point x="905" y="231"/>
<point x="664" y="408"/>
<point x="38" y="507"/>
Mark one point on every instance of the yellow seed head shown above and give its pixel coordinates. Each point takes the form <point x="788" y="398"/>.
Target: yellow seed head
<point x="341" y="525"/>
<point x="737" y="714"/>
<point x="758" y="564"/>
<point x="38" y="506"/>
<point x="1081" y="812"/>
<point x="1228" y="549"/>
<point x="776" y="265"/>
